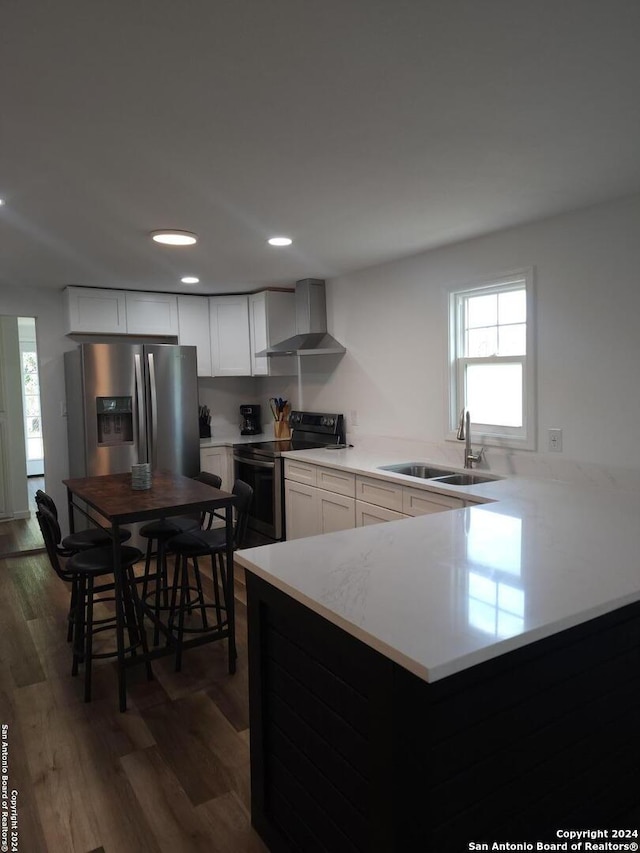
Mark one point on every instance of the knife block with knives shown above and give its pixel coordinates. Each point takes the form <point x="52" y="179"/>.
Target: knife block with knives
<point x="280" y="409"/>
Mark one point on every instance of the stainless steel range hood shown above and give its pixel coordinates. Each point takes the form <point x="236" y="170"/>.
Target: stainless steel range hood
<point x="311" y="324"/>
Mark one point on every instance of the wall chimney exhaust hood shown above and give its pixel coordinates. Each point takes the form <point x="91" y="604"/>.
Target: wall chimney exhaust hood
<point x="311" y="324"/>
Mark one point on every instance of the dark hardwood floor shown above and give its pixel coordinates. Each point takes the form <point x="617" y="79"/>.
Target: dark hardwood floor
<point x="170" y="774"/>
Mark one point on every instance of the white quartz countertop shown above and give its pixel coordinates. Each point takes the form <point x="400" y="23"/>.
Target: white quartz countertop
<point x="443" y="592"/>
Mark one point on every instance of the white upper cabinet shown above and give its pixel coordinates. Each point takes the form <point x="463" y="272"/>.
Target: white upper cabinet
<point x="193" y="329"/>
<point x="151" y="313"/>
<point x="227" y="331"/>
<point x="92" y="310"/>
<point x="272" y="318"/>
<point x="230" y="344"/>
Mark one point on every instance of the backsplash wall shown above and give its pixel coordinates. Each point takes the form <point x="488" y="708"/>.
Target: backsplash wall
<point x="224" y="395"/>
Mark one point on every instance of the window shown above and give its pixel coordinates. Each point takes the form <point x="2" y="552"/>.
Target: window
<point x="491" y="361"/>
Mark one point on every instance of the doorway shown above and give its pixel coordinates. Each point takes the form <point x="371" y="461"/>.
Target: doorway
<point x="32" y="412"/>
<point x="21" y="441"/>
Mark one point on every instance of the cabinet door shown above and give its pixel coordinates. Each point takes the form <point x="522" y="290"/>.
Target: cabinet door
<point x="230" y="348"/>
<point x="194" y="330"/>
<point x="335" y="512"/>
<point x="272" y="320"/>
<point x="151" y="313"/>
<point x="301" y="508"/>
<point x="90" y="309"/>
<point x="258" y="333"/>
<point x="369" y="514"/>
<point x="217" y="460"/>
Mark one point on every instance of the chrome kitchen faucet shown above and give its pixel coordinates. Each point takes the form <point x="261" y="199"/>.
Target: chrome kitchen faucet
<point x="464" y="434"/>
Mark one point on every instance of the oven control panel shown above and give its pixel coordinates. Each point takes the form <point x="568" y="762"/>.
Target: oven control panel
<point x="317" y="422"/>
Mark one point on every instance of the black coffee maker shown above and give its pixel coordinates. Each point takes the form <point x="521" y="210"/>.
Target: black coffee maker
<point x="250" y="423"/>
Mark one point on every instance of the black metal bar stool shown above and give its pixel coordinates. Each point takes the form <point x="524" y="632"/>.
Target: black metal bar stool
<point x="65" y="547"/>
<point x="161" y="531"/>
<point x="83" y="569"/>
<point x="188" y="547"/>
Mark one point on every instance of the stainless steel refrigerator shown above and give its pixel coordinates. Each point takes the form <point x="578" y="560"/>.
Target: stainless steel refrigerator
<point x="129" y="403"/>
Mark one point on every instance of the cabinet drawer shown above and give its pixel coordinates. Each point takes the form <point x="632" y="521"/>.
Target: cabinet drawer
<point x="379" y="492"/>
<point x="340" y="482"/>
<point x="367" y="514"/>
<point x="301" y="472"/>
<point x="419" y="502"/>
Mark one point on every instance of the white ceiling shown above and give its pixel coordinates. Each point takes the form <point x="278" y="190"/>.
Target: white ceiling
<point x="364" y="129"/>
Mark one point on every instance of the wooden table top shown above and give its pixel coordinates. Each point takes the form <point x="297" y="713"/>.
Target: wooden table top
<point x="170" y="494"/>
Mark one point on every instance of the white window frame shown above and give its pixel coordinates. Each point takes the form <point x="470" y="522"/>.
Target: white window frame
<point x="493" y="435"/>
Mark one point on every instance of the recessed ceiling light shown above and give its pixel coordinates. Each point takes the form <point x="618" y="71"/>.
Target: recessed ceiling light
<point x="174" y="238"/>
<point x="1" y="202"/>
<point x="280" y="241"/>
<point x="189" y="279"/>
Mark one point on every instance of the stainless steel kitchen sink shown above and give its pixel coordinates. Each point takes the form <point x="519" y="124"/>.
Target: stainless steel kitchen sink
<point x="417" y="469"/>
<point x="465" y="479"/>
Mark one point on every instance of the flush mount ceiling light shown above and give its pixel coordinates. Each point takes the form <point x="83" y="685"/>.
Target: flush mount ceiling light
<point x="279" y="241"/>
<point x="171" y="237"/>
<point x="190" y="279"/>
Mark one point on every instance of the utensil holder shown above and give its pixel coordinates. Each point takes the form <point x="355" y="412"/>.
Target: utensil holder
<point x="281" y="429"/>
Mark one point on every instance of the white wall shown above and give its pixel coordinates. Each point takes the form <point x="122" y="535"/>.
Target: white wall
<point x="393" y="321"/>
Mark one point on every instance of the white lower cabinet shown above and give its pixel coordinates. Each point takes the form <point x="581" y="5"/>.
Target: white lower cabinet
<point x="335" y="512"/>
<point x="301" y="509"/>
<point x="218" y="460"/>
<point x="421" y="502"/>
<point x="319" y="499"/>
<point x="311" y="511"/>
<point x="370" y="514"/>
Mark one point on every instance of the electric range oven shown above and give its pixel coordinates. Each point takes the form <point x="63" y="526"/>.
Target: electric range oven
<point x="260" y="464"/>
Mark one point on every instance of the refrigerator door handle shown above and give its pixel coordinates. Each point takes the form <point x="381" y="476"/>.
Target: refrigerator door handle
<point x="140" y="419"/>
<point x="153" y="439"/>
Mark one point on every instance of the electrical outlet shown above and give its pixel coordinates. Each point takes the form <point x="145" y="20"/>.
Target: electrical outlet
<point x="353" y="417"/>
<point x="555" y="440"/>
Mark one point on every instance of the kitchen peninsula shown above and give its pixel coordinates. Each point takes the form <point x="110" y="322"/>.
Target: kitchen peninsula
<point x="470" y="674"/>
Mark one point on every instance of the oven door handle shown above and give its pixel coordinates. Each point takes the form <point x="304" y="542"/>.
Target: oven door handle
<point x="255" y="463"/>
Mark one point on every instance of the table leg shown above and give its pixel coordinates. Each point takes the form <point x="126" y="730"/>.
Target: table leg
<point x="120" y="603"/>
<point x="72" y="526"/>
<point x="230" y="592"/>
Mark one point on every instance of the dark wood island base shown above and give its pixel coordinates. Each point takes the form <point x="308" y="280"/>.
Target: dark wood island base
<point x="351" y="752"/>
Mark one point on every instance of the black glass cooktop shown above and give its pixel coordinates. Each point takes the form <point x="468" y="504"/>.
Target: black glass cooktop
<point x="275" y="448"/>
